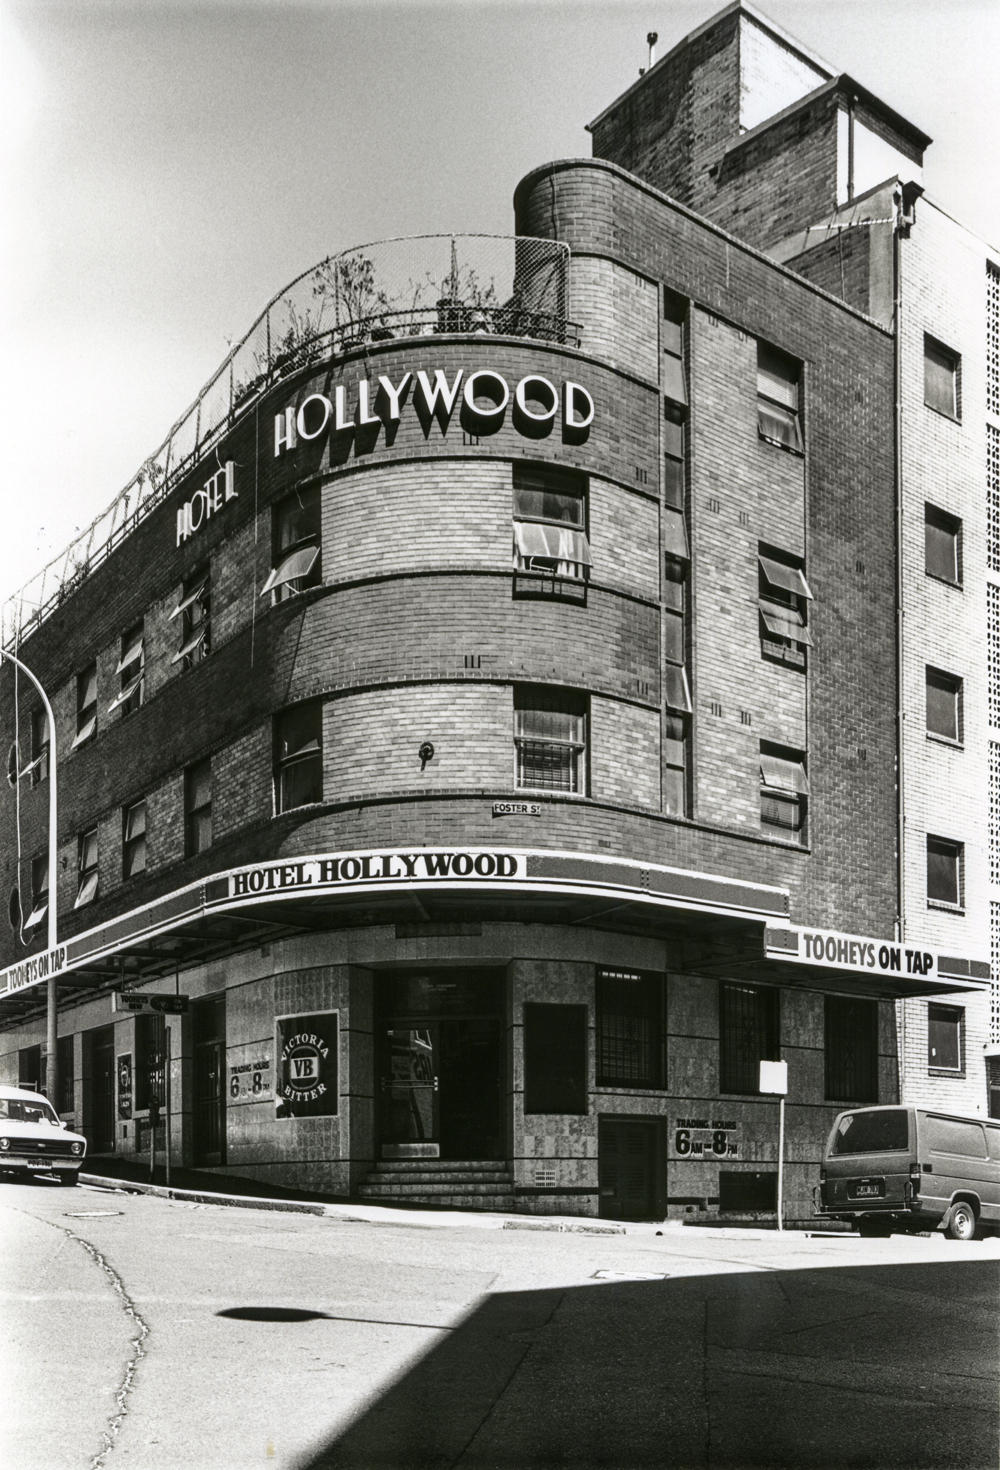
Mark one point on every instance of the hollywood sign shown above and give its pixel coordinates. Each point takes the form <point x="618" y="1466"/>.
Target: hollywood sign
<point x="483" y="398"/>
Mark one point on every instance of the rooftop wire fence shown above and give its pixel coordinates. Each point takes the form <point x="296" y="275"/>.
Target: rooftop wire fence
<point x="425" y="285"/>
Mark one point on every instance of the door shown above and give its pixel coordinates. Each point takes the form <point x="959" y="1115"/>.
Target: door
<point x="469" y="1096"/>
<point x="410" y="1090"/>
<point x="103" y="1084"/>
<point x="208" y="1024"/>
<point x="627" y="1168"/>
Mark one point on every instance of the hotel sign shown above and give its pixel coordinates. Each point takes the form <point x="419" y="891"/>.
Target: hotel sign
<point x="482" y="398"/>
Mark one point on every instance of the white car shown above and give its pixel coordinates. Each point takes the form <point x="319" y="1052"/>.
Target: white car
<point x="33" y="1140"/>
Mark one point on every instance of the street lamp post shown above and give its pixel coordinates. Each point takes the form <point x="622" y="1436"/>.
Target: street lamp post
<point x="52" y="997"/>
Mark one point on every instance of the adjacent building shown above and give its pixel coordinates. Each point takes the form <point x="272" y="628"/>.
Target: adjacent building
<point x="510" y="713"/>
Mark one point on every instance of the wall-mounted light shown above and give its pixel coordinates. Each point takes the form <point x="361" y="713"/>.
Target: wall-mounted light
<point x="426" y="753"/>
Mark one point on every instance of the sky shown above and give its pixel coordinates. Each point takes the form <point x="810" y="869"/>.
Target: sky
<point x="167" y="166"/>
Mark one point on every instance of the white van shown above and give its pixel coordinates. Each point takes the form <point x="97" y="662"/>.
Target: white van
<point x="34" y="1140"/>
<point x="912" y="1168"/>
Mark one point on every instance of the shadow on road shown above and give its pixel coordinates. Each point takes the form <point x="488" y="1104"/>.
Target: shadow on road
<point x="874" y="1366"/>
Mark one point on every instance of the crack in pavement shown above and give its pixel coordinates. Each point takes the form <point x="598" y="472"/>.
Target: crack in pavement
<point x="138" y="1351"/>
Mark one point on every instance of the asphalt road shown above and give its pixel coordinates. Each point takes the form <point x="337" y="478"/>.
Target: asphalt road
<point x="156" y="1333"/>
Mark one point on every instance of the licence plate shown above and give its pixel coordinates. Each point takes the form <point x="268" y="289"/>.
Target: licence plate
<point x="39" y="1164"/>
<point x="869" y="1189"/>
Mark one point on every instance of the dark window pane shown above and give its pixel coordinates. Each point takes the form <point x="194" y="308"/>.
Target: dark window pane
<point x="777" y="377"/>
<point x="298" y="519"/>
<point x="851" y="1043"/>
<point x="673" y="638"/>
<point x="748" y="1034"/>
<point x="552" y="767"/>
<point x="941" y="533"/>
<point x="629" y="1028"/>
<point x="555" y="1059"/>
<point x="782" y="812"/>
<point x="886" y="1131"/>
<point x="940" y="378"/>
<point x="944" y="1025"/>
<point x="673" y="481"/>
<point x="942" y="705"/>
<point x="548" y="505"/>
<point x="943" y="871"/>
<point x="747" y="1192"/>
<point x="301" y="782"/>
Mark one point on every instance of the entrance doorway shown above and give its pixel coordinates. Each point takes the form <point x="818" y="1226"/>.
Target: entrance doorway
<point x="439" y="1036"/>
<point x="102" y="1073"/>
<point x="208" y="1026"/>
<point x="627" y="1168"/>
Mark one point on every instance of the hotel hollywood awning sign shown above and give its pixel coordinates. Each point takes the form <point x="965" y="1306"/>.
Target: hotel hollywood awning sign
<point x="493" y="869"/>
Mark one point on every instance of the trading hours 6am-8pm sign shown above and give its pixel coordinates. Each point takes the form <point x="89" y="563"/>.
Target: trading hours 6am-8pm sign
<point x="306" y="1048"/>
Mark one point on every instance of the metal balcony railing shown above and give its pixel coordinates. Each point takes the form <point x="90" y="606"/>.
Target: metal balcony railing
<point x="425" y="285"/>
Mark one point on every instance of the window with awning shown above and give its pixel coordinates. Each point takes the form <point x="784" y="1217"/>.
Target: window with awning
<point x="784" y="792"/>
<point x="784" y="597"/>
<point x="296" y="539"/>
<point x="550" y="521"/>
<point x="130" y="669"/>
<point x="778" y="399"/>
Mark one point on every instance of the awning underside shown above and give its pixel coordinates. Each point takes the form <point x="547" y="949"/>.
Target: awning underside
<point x="711" y="945"/>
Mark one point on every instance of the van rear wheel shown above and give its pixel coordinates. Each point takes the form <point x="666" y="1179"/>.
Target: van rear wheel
<point x="961" y="1221"/>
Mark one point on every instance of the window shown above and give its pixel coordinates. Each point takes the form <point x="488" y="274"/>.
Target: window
<point x="150" y="1060"/>
<point x="86" y="705"/>
<point x="944" y="872"/>
<point x="672" y="338"/>
<point x="298" y="757"/>
<point x="941" y="378"/>
<point x="39" y="893"/>
<point x="39" y="747"/>
<point x="748" y="1034"/>
<point x="944" y="705"/>
<point x="629" y="1029"/>
<point x="550" y="737"/>
<point x="550" y="521"/>
<point x="674" y="764"/>
<point x="130" y="669"/>
<point x="784" y="792"/>
<point x="296" y="541"/>
<point x="748" y="1192"/>
<point x="194" y="611"/>
<point x="783" y="601"/>
<point x="86" y="864"/>
<point x="198" y="807"/>
<point x="851" y="1046"/>
<point x="29" y="1070"/>
<point x="945" y="1025"/>
<point x="942" y="545"/>
<point x="675" y="538"/>
<point x="555" y="1058"/>
<point x="778" y="399"/>
<point x="134" y="840"/>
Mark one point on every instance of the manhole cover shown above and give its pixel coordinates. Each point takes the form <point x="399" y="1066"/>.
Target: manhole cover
<point x="91" y="1214"/>
<point x="631" y="1275"/>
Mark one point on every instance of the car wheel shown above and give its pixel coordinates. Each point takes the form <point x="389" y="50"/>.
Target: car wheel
<point x="67" y="1176"/>
<point x="961" y="1221"/>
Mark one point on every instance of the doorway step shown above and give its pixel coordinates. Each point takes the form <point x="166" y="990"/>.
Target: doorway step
<point x="477" y="1184"/>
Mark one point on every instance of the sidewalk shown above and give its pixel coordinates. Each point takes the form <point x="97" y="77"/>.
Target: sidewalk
<point x="190" y="1186"/>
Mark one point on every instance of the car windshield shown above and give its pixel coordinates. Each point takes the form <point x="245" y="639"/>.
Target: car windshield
<point x="19" y="1110"/>
<point x="886" y="1131"/>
